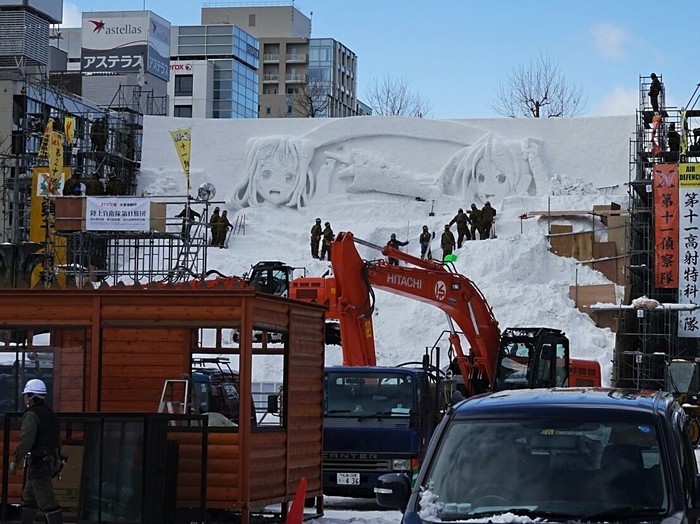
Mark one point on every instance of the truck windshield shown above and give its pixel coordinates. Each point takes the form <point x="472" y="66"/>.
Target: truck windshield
<point x="380" y="393"/>
<point x="545" y="468"/>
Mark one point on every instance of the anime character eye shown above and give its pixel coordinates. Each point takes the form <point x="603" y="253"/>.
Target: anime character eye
<point x="480" y="177"/>
<point x="290" y="177"/>
<point x="266" y="175"/>
<point x="501" y="178"/>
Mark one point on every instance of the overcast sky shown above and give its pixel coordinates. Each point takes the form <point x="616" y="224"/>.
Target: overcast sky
<point x="456" y="52"/>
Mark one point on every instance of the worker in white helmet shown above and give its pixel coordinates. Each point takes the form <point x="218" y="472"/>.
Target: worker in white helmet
<point x="40" y="438"/>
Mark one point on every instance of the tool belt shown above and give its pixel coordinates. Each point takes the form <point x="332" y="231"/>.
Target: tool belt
<point x="44" y="463"/>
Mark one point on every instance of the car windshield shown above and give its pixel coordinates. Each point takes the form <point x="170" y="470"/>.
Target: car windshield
<point x="547" y="468"/>
<point x="375" y="393"/>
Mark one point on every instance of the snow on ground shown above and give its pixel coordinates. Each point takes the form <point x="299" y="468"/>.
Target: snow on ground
<point x="525" y="284"/>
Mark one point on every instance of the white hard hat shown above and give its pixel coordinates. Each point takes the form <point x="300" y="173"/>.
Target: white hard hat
<point x="35" y="387"/>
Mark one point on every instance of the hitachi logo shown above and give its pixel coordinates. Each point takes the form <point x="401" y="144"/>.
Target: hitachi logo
<point x="400" y="280"/>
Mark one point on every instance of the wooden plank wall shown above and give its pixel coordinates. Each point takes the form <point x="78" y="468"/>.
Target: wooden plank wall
<point x="147" y="336"/>
<point x="136" y="363"/>
<point x="305" y="406"/>
<point x="71" y="369"/>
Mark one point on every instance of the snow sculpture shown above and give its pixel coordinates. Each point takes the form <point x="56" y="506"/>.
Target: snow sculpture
<point x="280" y="170"/>
<point x="493" y="168"/>
<point x="277" y="170"/>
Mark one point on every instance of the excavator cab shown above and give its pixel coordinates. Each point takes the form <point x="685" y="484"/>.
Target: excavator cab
<point x="272" y="277"/>
<point x="532" y="358"/>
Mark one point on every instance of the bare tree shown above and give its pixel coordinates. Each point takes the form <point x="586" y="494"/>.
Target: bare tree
<point x="392" y="96"/>
<point x="539" y="90"/>
<point x="312" y="100"/>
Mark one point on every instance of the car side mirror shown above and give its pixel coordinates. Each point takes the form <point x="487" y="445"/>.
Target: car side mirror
<point x="393" y="490"/>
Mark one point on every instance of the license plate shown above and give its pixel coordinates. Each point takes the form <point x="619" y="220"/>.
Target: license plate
<point x="348" y="479"/>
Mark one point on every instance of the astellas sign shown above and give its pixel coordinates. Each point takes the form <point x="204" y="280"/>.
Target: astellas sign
<point x="125" y="42"/>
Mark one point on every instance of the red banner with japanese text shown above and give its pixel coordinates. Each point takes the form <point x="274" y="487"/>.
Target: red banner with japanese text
<point x="666" y="225"/>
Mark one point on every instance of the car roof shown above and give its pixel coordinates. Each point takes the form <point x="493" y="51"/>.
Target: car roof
<point x="569" y="398"/>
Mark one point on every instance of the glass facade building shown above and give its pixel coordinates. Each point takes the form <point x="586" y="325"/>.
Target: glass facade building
<point x="235" y="56"/>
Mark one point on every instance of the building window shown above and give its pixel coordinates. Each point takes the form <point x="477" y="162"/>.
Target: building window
<point x="183" y="111"/>
<point x="268" y="110"/>
<point x="251" y="20"/>
<point x="183" y="85"/>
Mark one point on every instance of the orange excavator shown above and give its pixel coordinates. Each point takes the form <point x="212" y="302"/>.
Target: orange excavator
<point x="516" y="358"/>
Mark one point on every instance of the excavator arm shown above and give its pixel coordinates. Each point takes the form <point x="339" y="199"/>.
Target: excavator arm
<point x="428" y="281"/>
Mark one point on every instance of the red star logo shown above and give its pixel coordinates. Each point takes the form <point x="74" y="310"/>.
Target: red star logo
<point x="98" y="25"/>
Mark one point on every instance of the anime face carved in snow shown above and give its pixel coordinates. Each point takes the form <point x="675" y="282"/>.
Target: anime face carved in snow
<point x="277" y="171"/>
<point x="493" y="168"/>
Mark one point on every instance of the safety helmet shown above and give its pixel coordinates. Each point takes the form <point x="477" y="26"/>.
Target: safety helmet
<point x="328" y="224"/>
<point x="225" y="212"/>
<point x="425" y="227"/>
<point x="216" y="209"/>
<point x="35" y="387"/>
<point x="447" y="226"/>
<point x="318" y="220"/>
<point x="460" y="210"/>
<point x="393" y="235"/>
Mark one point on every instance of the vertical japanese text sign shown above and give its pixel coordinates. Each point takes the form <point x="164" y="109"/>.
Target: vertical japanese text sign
<point x="689" y="184"/>
<point x="666" y="225"/>
<point x="182" y="140"/>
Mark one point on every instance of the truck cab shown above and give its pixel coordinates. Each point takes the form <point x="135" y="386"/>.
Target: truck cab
<point x="376" y="420"/>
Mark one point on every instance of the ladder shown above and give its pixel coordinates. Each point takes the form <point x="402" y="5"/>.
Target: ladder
<point x="175" y="396"/>
<point x="190" y="255"/>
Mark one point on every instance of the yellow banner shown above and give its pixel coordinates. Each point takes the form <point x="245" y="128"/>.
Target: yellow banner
<point x="183" y="140"/>
<point x="42" y="221"/>
<point x="46" y="139"/>
<point x="69" y="129"/>
<point x="56" y="153"/>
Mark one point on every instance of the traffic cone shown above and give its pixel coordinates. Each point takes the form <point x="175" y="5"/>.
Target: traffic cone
<point x="296" y="513"/>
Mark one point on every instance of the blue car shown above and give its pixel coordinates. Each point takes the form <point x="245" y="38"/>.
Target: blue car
<point x="564" y="455"/>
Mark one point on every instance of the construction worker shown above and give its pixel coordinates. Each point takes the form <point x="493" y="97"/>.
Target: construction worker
<point x="74" y="186"/>
<point x="425" y="238"/>
<point x="488" y="214"/>
<point x="222" y="226"/>
<point x="213" y="221"/>
<point x="316" y="233"/>
<point x="447" y="242"/>
<point x="188" y="216"/>
<point x="462" y="221"/>
<point x="328" y="238"/>
<point x="94" y="185"/>
<point x="474" y="219"/>
<point x="40" y="437"/>
<point x="396" y="244"/>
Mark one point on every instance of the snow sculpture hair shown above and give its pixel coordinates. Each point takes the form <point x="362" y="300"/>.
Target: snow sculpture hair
<point x="493" y="168"/>
<point x="277" y="171"/>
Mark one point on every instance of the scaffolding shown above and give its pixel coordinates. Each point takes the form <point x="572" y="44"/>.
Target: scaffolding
<point x="173" y="251"/>
<point x="647" y="340"/>
<point x="103" y="152"/>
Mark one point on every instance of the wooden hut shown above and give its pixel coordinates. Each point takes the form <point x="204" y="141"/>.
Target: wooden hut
<point x="114" y="348"/>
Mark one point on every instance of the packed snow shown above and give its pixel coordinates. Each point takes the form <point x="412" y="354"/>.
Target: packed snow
<point x="524" y="283"/>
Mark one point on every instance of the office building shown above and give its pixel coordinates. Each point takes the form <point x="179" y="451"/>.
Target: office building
<point x="300" y="76"/>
